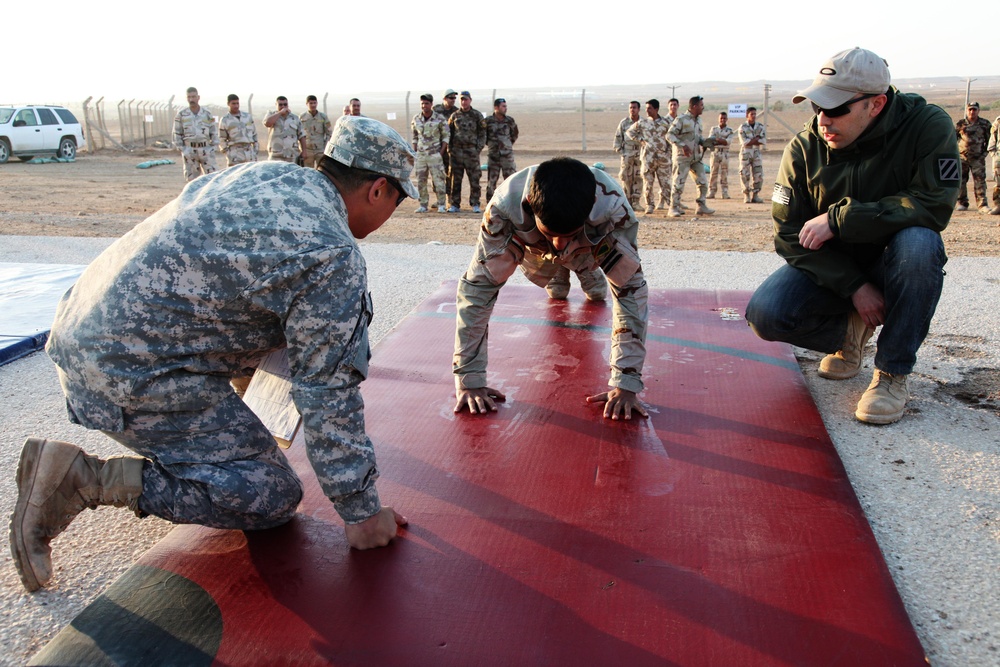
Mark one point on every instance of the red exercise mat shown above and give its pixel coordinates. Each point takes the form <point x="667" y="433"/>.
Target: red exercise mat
<point x="721" y="531"/>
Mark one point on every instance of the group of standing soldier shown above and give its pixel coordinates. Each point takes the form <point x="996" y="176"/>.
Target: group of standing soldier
<point x="666" y="149"/>
<point x="448" y="140"/>
<point x="298" y="139"/>
<point x="976" y="139"/>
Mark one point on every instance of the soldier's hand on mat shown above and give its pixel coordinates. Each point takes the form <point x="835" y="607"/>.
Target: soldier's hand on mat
<point x="478" y="401"/>
<point x="375" y="532"/>
<point x="619" y="403"/>
<point x="870" y="304"/>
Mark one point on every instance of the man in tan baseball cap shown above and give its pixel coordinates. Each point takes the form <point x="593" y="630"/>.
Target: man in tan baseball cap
<point x="860" y="201"/>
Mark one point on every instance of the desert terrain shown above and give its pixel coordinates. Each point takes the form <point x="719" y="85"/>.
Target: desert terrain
<point x="103" y="194"/>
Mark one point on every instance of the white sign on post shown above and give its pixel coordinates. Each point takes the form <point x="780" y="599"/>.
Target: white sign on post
<point x="391" y="115"/>
<point x="738" y="110"/>
<point x="149" y="118"/>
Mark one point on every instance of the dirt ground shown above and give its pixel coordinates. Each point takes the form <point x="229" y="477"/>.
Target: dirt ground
<point x="104" y="194"/>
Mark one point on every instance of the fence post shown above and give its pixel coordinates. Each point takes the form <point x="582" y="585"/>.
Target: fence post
<point x="583" y="117"/>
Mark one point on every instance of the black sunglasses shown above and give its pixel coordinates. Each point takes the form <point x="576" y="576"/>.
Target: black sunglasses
<point x="843" y="109"/>
<point x="399" y="188"/>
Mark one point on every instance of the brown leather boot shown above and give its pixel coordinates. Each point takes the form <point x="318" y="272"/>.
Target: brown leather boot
<point x="55" y="482"/>
<point x="885" y="399"/>
<point x="846" y="362"/>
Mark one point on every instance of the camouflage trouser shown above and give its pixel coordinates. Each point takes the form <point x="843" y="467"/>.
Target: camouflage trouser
<point x="311" y="158"/>
<point x="217" y="467"/>
<point x="751" y="171"/>
<point x="496" y="164"/>
<point x="996" y="182"/>
<point x="464" y="160"/>
<point x="654" y="169"/>
<point x="720" y="173"/>
<point x="977" y="166"/>
<point x="630" y="176"/>
<point x="683" y="165"/>
<point x="432" y="164"/>
<point x="276" y="157"/>
<point x="198" y="161"/>
<point x="665" y="192"/>
<point x="240" y="153"/>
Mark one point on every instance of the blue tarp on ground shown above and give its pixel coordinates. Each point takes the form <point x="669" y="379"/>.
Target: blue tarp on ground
<point x="29" y="294"/>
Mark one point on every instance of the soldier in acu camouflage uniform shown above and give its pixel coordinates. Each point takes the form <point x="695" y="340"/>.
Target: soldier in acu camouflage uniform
<point x="196" y="136"/>
<point x="973" y="139"/>
<point x="651" y="132"/>
<point x="318" y="131"/>
<point x="688" y="145"/>
<point x="501" y="133"/>
<point x="468" y="137"/>
<point x="629" y="174"/>
<point x="286" y="138"/>
<point x="720" y="157"/>
<point x="752" y="137"/>
<point x="237" y="134"/>
<point x="558" y="216"/>
<point x="430" y="142"/>
<point x="259" y="258"/>
<point x="994" y="148"/>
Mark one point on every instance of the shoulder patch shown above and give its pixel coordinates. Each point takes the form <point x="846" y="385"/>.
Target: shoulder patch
<point x="949" y="169"/>
<point x="782" y="194"/>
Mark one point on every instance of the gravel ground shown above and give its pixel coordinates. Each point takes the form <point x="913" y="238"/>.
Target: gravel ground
<point x="929" y="484"/>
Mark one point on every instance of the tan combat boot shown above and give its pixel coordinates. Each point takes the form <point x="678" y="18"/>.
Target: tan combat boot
<point x="55" y="482"/>
<point x="846" y="362"/>
<point x="884" y="400"/>
<point x="756" y="198"/>
<point x="594" y="284"/>
<point x="704" y="210"/>
<point x="558" y="287"/>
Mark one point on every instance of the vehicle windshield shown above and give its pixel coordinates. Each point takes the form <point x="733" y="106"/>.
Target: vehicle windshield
<point x="5" y="114"/>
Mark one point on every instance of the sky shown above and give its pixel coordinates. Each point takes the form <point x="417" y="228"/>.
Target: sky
<point x="349" y="48"/>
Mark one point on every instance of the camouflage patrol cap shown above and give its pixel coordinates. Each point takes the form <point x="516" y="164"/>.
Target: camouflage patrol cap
<point x="366" y="143"/>
<point x="845" y="75"/>
<point x="973" y="105"/>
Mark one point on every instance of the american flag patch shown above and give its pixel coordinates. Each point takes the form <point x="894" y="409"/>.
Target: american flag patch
<point x="781" y="195"/>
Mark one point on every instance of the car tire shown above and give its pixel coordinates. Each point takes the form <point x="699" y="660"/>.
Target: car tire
<point x="4" y="151"/>
<point x="67" y="149"/>
<point x="25" y="158"/>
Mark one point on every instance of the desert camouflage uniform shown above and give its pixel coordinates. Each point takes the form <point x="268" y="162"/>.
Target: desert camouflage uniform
<point x="686" y="131"/>
<point x="318" y="130"/>
<point x="994" y="148"/>
<point x="751" y="164"/>
<point x="244" y="262"/>
<point x="283" y="137"/>
<point x="196" y="136"/>
<point x="468" y="137"/>
<point x="446" y="113"/>
<point x="629" y="174"/>
<point x="429" y="136"/>
<point x="500" y="137"/>
<point x="509" y="239"/>
<point x="655" y="156"/>
<point x="238" y="138"/>
<point x="720" y="161"/>
<point x="973" y="139"/>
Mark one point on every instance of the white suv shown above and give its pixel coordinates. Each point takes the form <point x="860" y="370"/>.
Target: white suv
<point x="38" y="130"/>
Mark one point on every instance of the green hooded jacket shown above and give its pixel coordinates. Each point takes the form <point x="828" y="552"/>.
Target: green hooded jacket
<point x="903" y="171"/>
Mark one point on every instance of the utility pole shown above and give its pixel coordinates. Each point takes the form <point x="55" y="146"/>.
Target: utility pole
<point x="672" y="89"/>
<point x="767" y="95"/>
<point x="583" y="117"/>
<point x="968" y="90"/>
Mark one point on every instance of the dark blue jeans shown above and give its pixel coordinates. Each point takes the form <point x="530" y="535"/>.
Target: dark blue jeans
<point x="788" y="306"/>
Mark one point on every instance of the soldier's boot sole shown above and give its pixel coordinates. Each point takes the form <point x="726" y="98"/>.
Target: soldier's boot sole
<point x="55" y="482"/>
